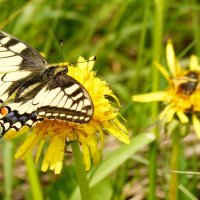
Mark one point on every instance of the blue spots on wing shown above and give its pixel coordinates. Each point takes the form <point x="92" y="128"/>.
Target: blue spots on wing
<point x="23" y="119"/>
<point x="14" y="117"/>
<point x="33" y="115"/>
<point x="9" y="115"/>
<point x="11" y="118"/>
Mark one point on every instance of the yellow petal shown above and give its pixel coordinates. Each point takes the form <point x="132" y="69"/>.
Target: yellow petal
<point x="170" y="113"/>
<point x="163" y="71"/>
<point x="183" y="118"/>
<point x="119" y="125"/>
<point x="117" y="100"/>
<point x="119" y="135"/>
<point x="193" y="62"/>
<point x="82" y="63"/>
<point x="171" y="59"/>
<point x="164" y="112"/>
<point x="86" y="156"/>
<point x="101" y="139"/>
<point x="148" y="97"/>
<point x="91" y="62"/>
<point x="45" y="165"/>
<point x="28" y="144"/>
<point x="93" y="145"/>
<point x="196" y="125"/>
<point x="58" y="167"/>
<point x="39" y="150"/>
<point x="54" y="155"/>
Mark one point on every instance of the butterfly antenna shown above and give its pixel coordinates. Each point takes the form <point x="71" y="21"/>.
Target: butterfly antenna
<point x="63" y="56"/>
<point x="92" y="59"/>
<point x="62" y="51"/>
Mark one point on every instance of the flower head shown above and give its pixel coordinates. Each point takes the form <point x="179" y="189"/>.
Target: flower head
<point x="183" y="92"/>
<point x="58" y="132"/>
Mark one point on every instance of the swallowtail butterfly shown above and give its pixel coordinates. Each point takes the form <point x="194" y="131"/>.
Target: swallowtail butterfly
<point x="31" y="89"/>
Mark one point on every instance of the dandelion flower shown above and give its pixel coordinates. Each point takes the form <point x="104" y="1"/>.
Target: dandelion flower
<point x="57" y="132"/>
<point x="183" y="92"/>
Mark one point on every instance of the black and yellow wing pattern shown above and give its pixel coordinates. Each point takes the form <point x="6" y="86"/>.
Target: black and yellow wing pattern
<point x="31" y="89"/>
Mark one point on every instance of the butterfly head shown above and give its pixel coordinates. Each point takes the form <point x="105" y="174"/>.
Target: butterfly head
<point x="53" y="70"/>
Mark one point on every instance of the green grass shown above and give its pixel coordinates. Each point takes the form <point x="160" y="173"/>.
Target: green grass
<point x="125" y="36"/>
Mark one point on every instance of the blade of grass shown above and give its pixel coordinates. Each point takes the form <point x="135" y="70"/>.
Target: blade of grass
<point x="8" y="169"/>
<point x="196" y="28"/>
<point x="189" y="195"/>
<point x="173" y="192"/>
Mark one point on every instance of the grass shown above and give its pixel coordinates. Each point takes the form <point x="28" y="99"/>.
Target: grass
<point x="125" y="36"/>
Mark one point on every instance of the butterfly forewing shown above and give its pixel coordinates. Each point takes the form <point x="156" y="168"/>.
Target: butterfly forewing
<point x="18" y="64"/>
<point x="16" y="55"/>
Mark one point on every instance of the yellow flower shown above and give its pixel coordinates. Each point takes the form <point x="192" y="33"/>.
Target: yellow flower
<point x="182" y="97"/>
<point x="57" y="132"/>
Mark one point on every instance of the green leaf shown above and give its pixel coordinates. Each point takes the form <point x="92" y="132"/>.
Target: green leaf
<point x="119" y="156"/>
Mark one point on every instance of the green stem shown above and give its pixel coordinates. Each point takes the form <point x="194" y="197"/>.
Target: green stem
<point x="157" y="52"/>
<point x="33" y="178"/>
<point x="140" y="60"/>
<point x="8" y="169"/>
<point x="80" y="171"/>
<point x="196" y="26"/>
<point x="173" y="185"/>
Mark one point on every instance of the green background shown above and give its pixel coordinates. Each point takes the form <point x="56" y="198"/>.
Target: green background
<point x="125" y="36"/>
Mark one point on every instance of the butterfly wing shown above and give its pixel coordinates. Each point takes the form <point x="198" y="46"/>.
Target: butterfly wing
<point x="18" y="63"/>
<point x="62" y="98"/>
<point x="66" y="99"/>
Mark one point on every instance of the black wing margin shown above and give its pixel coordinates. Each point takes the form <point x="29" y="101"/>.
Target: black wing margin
<point x="16" y="55"/>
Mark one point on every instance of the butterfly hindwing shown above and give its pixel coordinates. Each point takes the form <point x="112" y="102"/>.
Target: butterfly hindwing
<point x="66" y="99"/>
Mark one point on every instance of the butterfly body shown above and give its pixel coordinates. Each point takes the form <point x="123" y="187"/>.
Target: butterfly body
<point x="31" y="89"/>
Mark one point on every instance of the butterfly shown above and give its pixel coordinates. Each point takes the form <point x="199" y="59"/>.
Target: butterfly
<point x="31" y="89"/>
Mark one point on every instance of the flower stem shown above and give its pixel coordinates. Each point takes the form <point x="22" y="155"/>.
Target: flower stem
<point x="173" y="185"/>
<point x="80" y="172"/>
<point x="8" y="169"/>
<point x="157" y="50"/>
<point x="33" y="178"/>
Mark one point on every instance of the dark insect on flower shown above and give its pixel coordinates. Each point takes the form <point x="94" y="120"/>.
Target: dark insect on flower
<point x="192" y="80"/>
